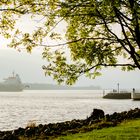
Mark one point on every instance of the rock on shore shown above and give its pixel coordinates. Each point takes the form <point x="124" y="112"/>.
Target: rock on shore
<point x="96" y="120"/>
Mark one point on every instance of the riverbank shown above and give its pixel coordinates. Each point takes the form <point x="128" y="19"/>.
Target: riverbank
<point x="97" y="120"/>
<point x="127" y="130"/>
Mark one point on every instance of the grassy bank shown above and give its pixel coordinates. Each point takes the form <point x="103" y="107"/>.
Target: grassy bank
<point x="127" y="130"/>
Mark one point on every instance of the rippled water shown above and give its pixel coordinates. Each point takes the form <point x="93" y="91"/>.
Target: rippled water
<point x="18" y="109"/>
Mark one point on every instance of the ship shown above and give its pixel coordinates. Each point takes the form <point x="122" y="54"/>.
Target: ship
<point x="11" y="84"/>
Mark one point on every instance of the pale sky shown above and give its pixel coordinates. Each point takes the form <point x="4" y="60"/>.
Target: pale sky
<point x="29" y="67"/>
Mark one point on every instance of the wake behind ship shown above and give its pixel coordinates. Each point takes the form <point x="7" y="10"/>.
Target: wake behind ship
<point x="11" y="84"/>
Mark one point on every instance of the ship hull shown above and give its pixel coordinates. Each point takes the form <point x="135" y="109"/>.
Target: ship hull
<point x="10" y="88"/>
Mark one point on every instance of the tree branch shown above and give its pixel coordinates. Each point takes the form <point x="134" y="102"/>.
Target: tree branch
<point x="119" y="40"/>
<point x="132" y="52"/>
<point x="108" y="65"/>
<point x="73" y="41"/>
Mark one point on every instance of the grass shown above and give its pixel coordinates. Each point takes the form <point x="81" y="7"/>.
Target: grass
<point x="128" y="130"/>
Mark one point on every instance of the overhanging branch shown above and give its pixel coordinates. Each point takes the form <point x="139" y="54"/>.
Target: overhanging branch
<point x="108" y="65"/>
<point x="74" y="41"/>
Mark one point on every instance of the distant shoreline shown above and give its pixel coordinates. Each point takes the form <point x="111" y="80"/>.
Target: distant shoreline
<point x="41" y="86"/>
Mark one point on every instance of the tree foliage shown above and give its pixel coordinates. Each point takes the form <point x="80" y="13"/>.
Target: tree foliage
<point x="91" y="36"/>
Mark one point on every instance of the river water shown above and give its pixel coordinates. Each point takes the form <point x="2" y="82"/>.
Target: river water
<point x="51" y="106"/>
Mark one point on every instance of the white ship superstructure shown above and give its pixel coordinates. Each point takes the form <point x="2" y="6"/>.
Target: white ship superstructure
<point x="12" y="83"/>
